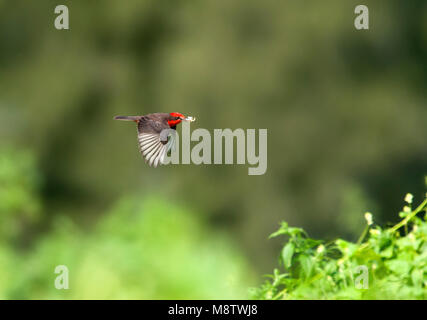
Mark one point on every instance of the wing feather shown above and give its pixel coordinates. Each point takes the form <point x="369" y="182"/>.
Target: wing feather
<point x="153" y="151"/>
<point x="160" y="159"/>
<point x="154" y="142"/>
<point x="145" y="148"/>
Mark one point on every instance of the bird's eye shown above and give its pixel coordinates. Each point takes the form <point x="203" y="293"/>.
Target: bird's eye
<point x="177" y="118"/>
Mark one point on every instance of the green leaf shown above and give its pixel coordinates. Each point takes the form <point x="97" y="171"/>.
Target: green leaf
<point x="282" y="230"/>
<point x="287" y="253"/>
<point x="346" y="248"/>
<point x="306" y="264"/>
<point x="398" y="266"/>
<point x="387" y="253"/>
<point x="403" y="214"/>
<point x="417" y="277"/>
<point x="295" y="231"/>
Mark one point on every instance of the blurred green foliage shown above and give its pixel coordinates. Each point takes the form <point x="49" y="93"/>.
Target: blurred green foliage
<point x="395" y="263"/>
<point x="19" y="198"/>
<point x="345" y="110"/>
<point x="143" y="248"/>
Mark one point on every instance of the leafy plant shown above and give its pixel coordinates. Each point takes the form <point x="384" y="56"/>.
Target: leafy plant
<point x="385" y="263"/>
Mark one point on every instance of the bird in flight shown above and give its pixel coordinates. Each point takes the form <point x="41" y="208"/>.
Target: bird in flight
<point x="156" y="134"/>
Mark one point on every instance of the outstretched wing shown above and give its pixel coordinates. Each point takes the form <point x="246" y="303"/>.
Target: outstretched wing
<point x="154" y="140"/>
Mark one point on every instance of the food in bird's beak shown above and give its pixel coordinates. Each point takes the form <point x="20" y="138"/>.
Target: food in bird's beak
<point x="191" y="119"/>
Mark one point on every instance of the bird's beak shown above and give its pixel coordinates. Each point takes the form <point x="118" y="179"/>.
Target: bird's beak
<point x="191" y="119"/>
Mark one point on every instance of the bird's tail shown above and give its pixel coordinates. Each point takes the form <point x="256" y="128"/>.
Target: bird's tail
<point x="127" y="118"/>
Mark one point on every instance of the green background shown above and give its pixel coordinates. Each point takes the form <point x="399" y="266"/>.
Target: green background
<point x="345" y="112"/>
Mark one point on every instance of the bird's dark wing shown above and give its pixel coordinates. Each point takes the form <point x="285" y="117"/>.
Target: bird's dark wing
<point x="153" y="138"/>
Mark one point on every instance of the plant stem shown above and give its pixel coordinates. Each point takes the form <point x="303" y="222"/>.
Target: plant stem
<point x="409" y="216"/>
<point x="363" y="235"/>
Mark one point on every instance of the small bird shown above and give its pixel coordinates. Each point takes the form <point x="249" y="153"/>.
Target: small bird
<point x="154" y="134"/>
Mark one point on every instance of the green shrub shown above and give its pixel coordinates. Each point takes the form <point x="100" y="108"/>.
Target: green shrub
<point x="140" y="250"/>
<point x="144" y="247"/>
<point x="394" y="261"/>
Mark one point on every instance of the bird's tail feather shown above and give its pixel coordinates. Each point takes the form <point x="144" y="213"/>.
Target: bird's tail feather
<point x="127" y="118"/>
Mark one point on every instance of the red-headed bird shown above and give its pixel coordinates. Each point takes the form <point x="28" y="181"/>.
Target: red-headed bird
<point x="154" y="135"/>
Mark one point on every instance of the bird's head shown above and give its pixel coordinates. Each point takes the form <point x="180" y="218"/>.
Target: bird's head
<point x="175" y="118"/>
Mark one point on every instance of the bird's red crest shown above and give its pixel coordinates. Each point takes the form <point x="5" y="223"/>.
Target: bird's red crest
<point x="174" y="122"/>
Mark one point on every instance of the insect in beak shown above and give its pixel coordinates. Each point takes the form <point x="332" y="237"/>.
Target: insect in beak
<point x="191" y="119"/>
